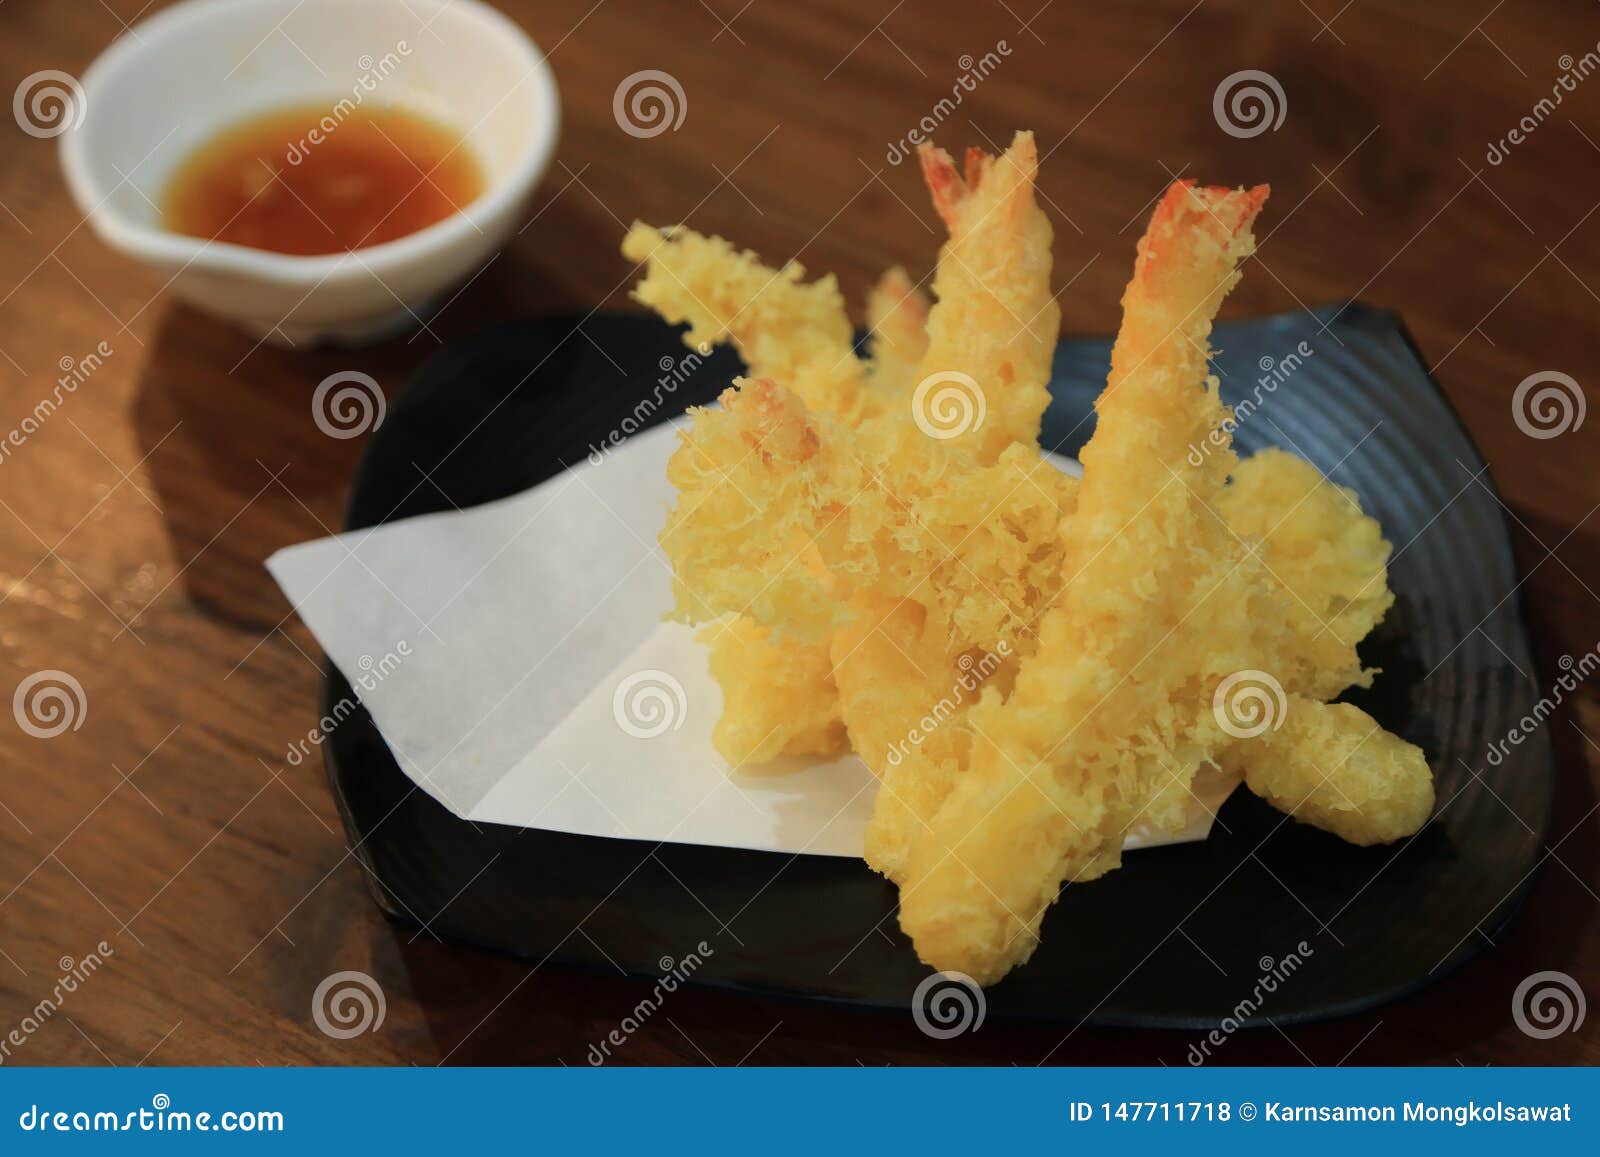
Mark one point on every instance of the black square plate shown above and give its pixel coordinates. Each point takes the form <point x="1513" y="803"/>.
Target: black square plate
<point x="496" y="415"/>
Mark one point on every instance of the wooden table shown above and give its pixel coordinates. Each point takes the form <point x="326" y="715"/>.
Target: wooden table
<point x="135" y="521"/>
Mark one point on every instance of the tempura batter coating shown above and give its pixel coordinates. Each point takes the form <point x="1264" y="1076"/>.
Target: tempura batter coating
<point x="905" y="699"/>
<point x="777" y="698"/>
<point x="1332" y="766"/>
<point x="1330" y="559"/>
<point x="799" y="333"/>
<point x="784" y="328"/>
<point x="1273" y="491"/>
<point x="897" y="329"/>
<point x="784" y="515"/>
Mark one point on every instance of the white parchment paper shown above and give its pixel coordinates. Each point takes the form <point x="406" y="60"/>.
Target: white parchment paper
<point x="514" y="658"/>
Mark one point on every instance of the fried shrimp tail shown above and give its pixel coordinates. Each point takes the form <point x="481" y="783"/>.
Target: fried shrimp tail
<point x="994" y="321"/>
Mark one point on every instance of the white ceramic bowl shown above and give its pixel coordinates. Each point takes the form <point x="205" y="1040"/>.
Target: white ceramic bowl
<point x="165" y="88"/>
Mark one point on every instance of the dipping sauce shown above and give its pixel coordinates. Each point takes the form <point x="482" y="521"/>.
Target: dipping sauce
<point x="305" y="181"/>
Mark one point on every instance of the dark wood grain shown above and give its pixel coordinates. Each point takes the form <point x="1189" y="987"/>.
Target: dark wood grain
<point x="133" y="525"/>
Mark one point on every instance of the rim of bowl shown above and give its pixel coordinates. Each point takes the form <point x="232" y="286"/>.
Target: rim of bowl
<point x="152" y="243"/>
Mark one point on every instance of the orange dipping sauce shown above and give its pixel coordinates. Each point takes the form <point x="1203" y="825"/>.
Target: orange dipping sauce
<point x="288" y="182"/>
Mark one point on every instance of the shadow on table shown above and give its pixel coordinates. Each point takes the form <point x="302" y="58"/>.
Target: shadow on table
<point x="237" y="458"/>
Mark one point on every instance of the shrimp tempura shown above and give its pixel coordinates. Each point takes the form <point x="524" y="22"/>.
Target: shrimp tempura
<point x="1094" y="736"/>
<point x="994" y="320"/>
<point x="780" y="699"/>
<point x="997" y="262"/>
<point x="1031" y="667"/>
